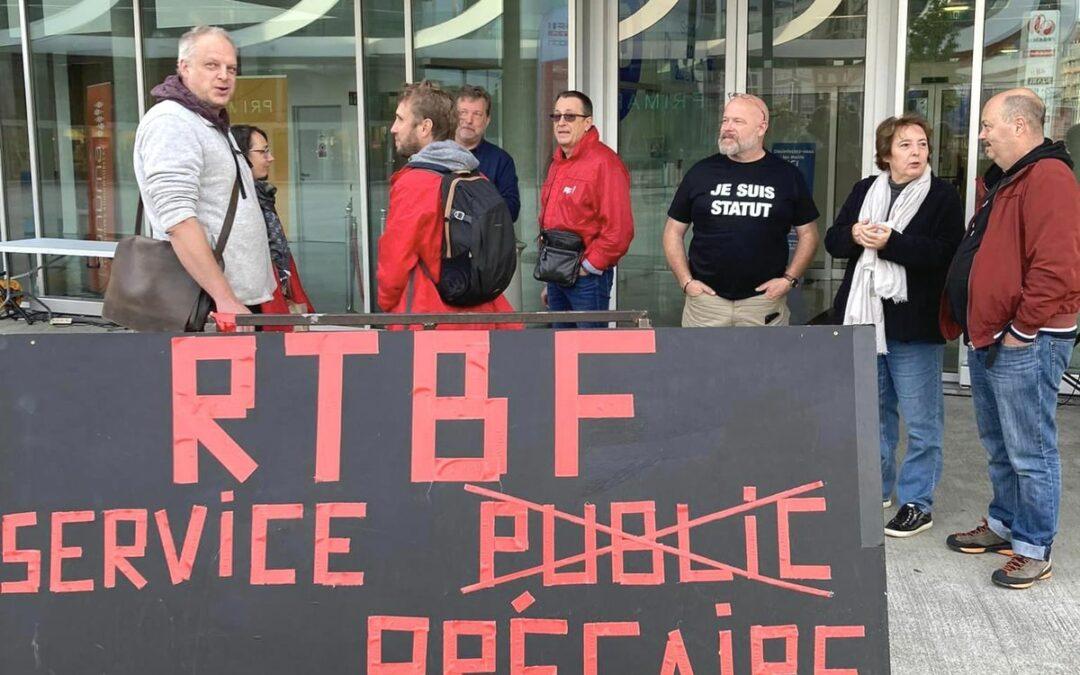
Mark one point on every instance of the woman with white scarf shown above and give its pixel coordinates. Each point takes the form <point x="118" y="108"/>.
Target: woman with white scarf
<point x="898" y="231"/>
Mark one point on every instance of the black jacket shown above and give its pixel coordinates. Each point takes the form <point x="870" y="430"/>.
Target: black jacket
<point x="925" y="248"/>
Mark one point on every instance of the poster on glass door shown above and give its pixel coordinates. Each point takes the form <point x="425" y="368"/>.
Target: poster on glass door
<point x="1039" y="46"/>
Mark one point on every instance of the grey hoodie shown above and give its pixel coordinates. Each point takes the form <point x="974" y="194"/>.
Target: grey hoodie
<point x="447" y="154"/>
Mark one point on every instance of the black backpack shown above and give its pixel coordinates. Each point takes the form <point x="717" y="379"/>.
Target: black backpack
<point x="479" y="253"/>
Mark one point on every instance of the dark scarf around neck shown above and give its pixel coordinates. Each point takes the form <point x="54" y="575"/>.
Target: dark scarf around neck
<point x="173" y="89"/>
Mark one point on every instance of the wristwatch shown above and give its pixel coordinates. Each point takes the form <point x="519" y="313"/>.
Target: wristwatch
<point x="794" y="281"/>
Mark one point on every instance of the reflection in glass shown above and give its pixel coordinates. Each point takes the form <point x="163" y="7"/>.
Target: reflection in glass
<point x="519" y="54"/>
<point x="298" y="82"/>
<point x="1036" y="47"/>
<point x="810" y="69"/>
<point x="939" y="37"/>
<point x="671" y="95"/>
<point x="86" y="112"/>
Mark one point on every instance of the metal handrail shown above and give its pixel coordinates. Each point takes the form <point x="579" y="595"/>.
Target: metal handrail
<point x="636" y="317"/>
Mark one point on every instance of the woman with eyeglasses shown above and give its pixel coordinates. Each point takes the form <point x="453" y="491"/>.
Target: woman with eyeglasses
<point x="898" y="231"/>
<point x="289" y="297"/>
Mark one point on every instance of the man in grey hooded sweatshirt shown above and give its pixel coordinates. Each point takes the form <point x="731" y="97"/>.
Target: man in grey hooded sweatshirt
<point x="423" y="131"/>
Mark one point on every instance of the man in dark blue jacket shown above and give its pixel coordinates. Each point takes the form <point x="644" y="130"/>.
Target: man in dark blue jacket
<point x="474" y="115"/>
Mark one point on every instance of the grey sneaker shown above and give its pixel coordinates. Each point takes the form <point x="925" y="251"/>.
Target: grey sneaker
<point x="980" y="540"/>
<point x="1022" y="572"/>
<point x="886" y="503"/>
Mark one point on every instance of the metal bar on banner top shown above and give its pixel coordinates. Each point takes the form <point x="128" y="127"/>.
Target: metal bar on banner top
<point x="638" y="318"/>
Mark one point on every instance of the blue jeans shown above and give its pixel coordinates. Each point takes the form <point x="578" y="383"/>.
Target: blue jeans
<point x="591" y="293"/>
<point x="1015" y="407"/>
<point x="909" y="383"/>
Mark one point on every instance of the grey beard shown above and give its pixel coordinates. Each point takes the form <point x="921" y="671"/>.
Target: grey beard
<point x="738" y="149"/>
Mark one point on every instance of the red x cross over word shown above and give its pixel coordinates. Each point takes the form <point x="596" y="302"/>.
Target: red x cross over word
<point x="650" y="541"/>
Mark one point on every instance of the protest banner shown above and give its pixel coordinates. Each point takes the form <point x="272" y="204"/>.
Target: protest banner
<point x="613" y="501"/>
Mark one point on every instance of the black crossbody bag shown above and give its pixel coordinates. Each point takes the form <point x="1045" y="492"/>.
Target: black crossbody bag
<point x="559" y="261"/>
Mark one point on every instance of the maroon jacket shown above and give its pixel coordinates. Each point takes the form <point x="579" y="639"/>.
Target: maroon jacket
<point x="1026" y="273"/>
<point x="589" y="193"/>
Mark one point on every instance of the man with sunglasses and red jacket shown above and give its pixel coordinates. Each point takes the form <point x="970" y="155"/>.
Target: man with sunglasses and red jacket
<point x="587" y="192"/>
<point x="1013" y="293"/>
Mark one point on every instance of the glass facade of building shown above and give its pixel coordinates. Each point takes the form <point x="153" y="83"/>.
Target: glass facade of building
<point x="16" y="190"/>
<point x="321" y="76"/>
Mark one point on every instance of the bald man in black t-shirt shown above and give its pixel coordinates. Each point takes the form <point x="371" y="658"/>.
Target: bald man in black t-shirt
<point x="742" y="202"/>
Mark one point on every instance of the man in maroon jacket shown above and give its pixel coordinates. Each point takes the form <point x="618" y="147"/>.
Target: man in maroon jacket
<point x="587" y="192"/>
<point x="1013" y="292"/>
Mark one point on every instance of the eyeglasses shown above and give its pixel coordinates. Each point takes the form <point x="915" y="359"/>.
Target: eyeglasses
<point x="566" y="117"/>
<point x="264" y="152"/>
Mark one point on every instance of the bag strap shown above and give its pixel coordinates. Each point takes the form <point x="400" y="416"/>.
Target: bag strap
<point x="455" y="178"/>
<point x="226" y="227"/>
<point x="447" y="208"/>
<point x="230" y="213"/>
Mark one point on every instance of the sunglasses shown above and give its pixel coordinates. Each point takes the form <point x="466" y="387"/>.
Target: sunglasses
<point x="566" y="117"/>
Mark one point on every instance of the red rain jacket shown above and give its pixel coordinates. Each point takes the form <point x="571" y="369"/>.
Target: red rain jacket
<point x="589" y="193"/>
<point x="414" y="232"/>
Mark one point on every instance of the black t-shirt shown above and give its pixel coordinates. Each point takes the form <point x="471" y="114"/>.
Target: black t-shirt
<point x="741" y="214"/>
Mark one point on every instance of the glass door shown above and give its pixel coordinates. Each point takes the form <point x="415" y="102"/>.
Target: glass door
<point x="946" y="106"/>
<point x="86" y="111"/>
<point x="519" y="53"/>
<point x="671" y="95"/>
<point x="810" y="68"/>
<point x="297" y="82"/>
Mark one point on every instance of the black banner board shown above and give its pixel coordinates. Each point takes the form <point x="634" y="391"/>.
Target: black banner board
<point x="616" y="501"/>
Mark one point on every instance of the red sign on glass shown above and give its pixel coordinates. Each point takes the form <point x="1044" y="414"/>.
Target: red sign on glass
<point x="102" y="179"/>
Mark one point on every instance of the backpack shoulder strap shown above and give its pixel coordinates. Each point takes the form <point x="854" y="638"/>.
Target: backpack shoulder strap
<point x="450" y="180"/>
<point x="429" y="166"/>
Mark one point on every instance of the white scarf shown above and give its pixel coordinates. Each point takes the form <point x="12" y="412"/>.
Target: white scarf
<point x="876" y="279"/>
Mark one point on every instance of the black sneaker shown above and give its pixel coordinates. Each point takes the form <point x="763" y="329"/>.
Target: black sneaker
<point x="908" y="521"/>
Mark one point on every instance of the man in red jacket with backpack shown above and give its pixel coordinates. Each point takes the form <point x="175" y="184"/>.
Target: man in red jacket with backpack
<point x="411" y="247"/>
<point x="587" y="193"/>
